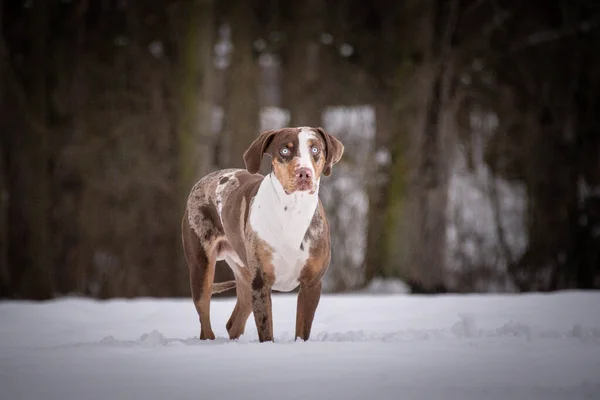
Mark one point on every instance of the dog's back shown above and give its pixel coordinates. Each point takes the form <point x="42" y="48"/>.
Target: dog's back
<point x="215" y="211"/>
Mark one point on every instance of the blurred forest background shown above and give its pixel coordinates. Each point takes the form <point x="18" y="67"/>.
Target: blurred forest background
<point x="471" y="128"/>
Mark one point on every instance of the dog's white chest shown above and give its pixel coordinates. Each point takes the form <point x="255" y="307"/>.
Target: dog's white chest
<point x="288" y="266"/>
<point x="282" y="221"/>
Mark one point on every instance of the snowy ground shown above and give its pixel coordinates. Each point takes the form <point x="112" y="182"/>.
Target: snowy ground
<point x="363" y="347"/>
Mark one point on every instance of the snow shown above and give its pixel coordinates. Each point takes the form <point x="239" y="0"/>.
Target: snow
<point x="533" y="346"/>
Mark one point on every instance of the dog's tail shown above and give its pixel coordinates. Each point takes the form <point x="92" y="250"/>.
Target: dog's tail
<point x="222" y="286"/>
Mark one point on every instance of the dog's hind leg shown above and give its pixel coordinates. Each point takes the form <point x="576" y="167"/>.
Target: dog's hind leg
<point x="202" y="273"/>
<point x="243" y="306"/>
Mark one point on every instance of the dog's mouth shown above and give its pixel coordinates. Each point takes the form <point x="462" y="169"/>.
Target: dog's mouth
<point x="304" y="186"/>
<point x="301" y="187"/>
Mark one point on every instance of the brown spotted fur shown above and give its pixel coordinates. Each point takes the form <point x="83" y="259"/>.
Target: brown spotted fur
<point x="206" y="234"/>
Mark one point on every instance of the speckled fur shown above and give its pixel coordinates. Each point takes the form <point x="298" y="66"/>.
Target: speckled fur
<point x="212" y="189"/>
<point x="218" y="225"/>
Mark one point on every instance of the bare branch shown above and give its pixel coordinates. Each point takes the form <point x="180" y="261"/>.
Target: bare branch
<point x="8" y="74"/>
<point x="450" y="27"/>
<point x="551" y="35"/>
<point x="497" y="22"/>
<point x="474" y="6"/>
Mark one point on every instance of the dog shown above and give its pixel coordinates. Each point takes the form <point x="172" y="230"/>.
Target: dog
<point x="271" y="230"/>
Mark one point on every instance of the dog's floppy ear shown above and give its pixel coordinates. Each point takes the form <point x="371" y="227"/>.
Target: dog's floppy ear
<point x="334" y="149"/>
<point x="253" y="156"/>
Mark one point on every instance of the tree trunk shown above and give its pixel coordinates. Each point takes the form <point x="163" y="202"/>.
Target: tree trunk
<point x="387" y="195"/>
<point x="195" y="101"/>
<point x="407" y="218"/>
<point x="195" y="106"/>
<point x="36" y="199"/>
<point x="38" y="208"/>
<point x="28" y="267"/>
<point x="4" y="184"/>
<point x="427" y="241"/>
<point x="4" y="197"/>
<point x="242" y="109"/>
<point x="423" y="261"/>
<point x="304" y="94"/>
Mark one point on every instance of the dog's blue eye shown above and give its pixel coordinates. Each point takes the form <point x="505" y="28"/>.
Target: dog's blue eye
<point x="285" y="151"/>
<point x="315" y="150"/>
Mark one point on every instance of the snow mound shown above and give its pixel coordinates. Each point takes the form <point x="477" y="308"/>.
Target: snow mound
<point x="152" y="339"/>
<point x="464" y="328"/>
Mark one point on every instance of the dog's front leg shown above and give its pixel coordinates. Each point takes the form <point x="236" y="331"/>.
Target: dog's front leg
<point x="260" y="262"/>
<point x="308" y="300"/>
<point x="261" y="305"/>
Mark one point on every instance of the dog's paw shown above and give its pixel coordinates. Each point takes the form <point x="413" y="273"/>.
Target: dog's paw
<point x="207" y="335"/>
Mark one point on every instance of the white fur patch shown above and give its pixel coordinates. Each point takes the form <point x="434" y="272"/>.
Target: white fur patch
<point x="304" y="136"/>
<point x="282" y="220"/>
<point x="224" y="188"/>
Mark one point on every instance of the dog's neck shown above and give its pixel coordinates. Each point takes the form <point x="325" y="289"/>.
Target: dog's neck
<point x="280" y="217"/>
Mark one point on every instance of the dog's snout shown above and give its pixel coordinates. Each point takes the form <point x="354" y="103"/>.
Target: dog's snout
<point x="303" y="174"/>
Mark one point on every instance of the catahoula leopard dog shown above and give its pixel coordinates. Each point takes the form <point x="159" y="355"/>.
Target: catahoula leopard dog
<point x="271" y="230"/>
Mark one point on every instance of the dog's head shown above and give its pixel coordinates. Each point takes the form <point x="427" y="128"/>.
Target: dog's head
<point x="299" y="156"/>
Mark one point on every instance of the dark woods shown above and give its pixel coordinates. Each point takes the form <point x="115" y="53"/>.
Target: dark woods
<point x="472" y="132"/>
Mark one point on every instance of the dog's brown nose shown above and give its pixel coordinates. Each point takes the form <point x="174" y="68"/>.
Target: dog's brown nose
<point x="303" y="174"/>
